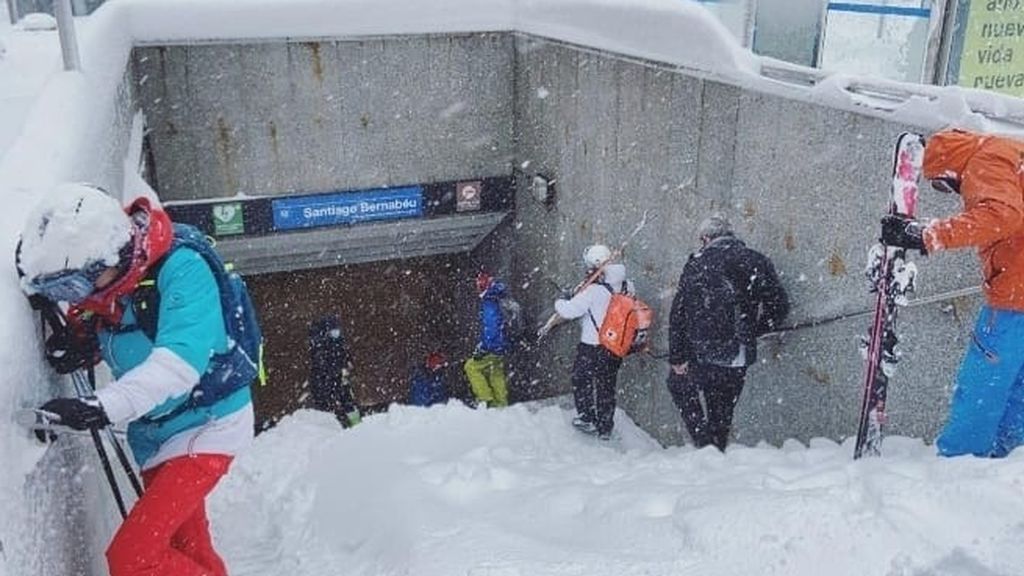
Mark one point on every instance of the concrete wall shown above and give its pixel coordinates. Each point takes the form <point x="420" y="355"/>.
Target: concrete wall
<point x="803" y="183"/>
<point x="280" y="117"/>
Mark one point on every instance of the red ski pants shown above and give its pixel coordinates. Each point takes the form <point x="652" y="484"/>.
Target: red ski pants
<point x="166" y="533"/>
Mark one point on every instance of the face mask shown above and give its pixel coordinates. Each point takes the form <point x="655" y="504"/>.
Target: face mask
<point x="946" y="185"/>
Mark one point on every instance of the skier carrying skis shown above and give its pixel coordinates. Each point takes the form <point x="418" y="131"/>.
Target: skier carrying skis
<point x="486" y="368"/>
<point x="595" y="370"/>
<point x="728" y="295"/>
<point x="80" y="248"/>
<point x="986" y="415"/>
<point x="330" y="369"/>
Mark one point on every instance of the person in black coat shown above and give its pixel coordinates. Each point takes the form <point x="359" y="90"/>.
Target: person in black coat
<point x="728" y="296"/>
<point x="330" y="370"/>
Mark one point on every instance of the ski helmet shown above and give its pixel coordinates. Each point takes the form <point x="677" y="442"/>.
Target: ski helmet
<point x="152" y="236"/>
<point x="483" y="282"/>
<point x="325" y="328"/>
<point x="435" y="361"/>
<point x="76" y="230"/>
<point x="596" y="256"/>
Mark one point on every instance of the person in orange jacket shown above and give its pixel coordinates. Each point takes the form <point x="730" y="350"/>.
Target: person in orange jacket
<point x="986" y="415"/>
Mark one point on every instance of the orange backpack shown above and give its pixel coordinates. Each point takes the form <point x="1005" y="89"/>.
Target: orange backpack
<point x="626" y="324"/>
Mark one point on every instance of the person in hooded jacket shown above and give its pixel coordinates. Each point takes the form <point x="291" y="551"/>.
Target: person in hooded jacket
<point x="330" y="371"/>
<point x="728" y="295"/>
<point x="595" y="370"/>
<point x="986" y="413"/>
<point x="79" y="247"/>
<point x="427" y="386"/>
<point x="485" y="370"/>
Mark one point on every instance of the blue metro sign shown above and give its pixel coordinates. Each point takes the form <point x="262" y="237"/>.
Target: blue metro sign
<point x="347" y="207"/>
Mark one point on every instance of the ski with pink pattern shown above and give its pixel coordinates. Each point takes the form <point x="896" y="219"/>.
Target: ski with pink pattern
<point x="892" y="277"/>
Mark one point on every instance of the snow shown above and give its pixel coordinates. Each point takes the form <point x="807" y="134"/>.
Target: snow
<point x="451" y="490"/>
<point x="644" y="28"/>
<point x="37" y="21"/>
<point x="63" y="214"/>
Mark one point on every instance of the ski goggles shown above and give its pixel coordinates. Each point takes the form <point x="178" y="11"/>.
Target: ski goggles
<point x="71" y="286"/>
<point x="946" y="184"/>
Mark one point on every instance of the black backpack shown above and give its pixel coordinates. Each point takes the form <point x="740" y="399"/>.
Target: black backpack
<point x="513" y="323"/>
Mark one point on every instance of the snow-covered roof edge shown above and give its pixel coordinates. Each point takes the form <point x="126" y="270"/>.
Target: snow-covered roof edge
<point x="673" y="32"/>
<point x="679" y="32"/>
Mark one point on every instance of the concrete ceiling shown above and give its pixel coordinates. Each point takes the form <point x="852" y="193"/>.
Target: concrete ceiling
<point x="358" y="244"/>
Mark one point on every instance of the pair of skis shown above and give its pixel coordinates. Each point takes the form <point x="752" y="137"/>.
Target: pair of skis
<point x="891" y="277"/>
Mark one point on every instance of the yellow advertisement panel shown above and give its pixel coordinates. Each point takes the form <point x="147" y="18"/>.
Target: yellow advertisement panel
<point x="993" y="53"/>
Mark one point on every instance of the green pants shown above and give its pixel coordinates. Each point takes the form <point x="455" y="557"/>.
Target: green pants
<point x="486" y="376"/>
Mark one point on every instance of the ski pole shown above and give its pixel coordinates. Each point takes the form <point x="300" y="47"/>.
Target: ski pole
<point x="101" y="451"/>
<point x="56" y="319"/>
<point x="122" y="457"/>
<point x="108" y="470"/>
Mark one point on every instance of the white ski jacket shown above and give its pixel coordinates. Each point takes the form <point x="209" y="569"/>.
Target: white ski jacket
<point x="592" y="302"/>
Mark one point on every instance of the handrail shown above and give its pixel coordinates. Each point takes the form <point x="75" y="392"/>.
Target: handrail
<point x="984" y="104"/>
<point x="66" y="31"/>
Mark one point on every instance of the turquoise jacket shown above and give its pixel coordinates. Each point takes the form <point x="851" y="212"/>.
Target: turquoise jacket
<point x="191" y="325"/>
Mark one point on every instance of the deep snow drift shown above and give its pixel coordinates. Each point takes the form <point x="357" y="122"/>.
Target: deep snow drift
<point x="450" y="491"/>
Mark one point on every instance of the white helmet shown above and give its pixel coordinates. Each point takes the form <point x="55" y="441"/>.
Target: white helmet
<point x="72" y="227"/>
<point x="596" y="255"/>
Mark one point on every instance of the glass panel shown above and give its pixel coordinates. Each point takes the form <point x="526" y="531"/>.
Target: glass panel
<point x="731" y="13"/>
<point x="788" y="29"/>
<point x="79" y="7"/>
<point x="887" y="40"/>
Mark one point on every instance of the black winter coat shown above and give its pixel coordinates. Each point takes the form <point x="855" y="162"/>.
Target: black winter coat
<point x="328" y="358"/>
<point x="728" y="296"/>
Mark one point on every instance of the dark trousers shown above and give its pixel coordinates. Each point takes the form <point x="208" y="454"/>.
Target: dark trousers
<point x="594" y="374"/>
<point x="335" y="398"/>
<point x="708" y="422"/>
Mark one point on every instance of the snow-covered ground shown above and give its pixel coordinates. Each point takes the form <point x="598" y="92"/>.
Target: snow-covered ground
<point x="517" y="492"/>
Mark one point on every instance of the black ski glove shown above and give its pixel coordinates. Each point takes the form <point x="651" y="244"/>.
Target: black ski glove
<point x="78" y="414"/>
<point x="67" y="351"/>
<point x="903" y="232"/>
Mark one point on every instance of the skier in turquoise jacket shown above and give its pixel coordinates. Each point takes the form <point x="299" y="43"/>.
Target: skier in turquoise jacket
<point x="79" y="247"/>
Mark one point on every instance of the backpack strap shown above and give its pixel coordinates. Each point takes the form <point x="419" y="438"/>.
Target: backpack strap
<point x="591" y="314"/>
<point x="146" y="302"/>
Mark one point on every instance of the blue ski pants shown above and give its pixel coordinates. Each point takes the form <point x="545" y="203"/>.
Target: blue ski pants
<point x="986" y="414"/>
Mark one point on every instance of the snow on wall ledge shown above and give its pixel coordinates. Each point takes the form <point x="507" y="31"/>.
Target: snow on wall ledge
<point x="673" y="31"/>
<point x="670" y="31"/>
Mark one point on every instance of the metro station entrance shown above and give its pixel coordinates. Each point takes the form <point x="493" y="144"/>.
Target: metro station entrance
<point x="392" y="313"/>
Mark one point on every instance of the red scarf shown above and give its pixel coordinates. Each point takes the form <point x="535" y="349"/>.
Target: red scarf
<point x="152" y="241"/>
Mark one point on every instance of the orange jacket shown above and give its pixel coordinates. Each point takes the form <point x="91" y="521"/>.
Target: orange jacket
<point x="991" y="174"/>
